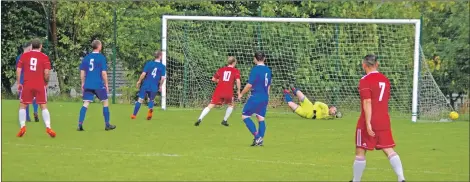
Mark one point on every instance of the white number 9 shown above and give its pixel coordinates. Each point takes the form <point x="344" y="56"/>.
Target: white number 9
<point x="33" y="64"/>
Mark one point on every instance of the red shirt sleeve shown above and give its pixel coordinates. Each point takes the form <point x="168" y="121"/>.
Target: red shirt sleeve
<point x="237" y="74"/>
<point x="217" y="74"/>
<point x="364" y="89"/>
<point x="47" y="63"/>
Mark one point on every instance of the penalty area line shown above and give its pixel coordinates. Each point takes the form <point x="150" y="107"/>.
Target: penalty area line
<point x="157" y="154"/>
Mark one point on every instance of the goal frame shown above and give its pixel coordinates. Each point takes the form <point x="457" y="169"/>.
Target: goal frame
<point x="415" y="22"/>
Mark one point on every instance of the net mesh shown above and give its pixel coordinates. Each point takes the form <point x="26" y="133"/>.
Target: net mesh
<point x="323" y="60"/>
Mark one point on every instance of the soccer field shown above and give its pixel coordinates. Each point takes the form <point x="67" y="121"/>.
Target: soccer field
<point x="170" y="147"/>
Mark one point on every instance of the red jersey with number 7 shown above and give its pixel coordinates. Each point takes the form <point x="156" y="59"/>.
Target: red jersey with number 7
<point x="34" y="63"/>
<point x="227" y="76"/>
<point x="375" y="86"/>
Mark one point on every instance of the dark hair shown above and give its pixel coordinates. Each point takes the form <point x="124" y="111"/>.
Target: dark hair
<point x="260" y="56"/>
<point x="157" y="54"/>
<point x="36" y="43"/>
<point x="95" y="44"/>
<point x="370" y="60"/>
<point x="26" y="45"/>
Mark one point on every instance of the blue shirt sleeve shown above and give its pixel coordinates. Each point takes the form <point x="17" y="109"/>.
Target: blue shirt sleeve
<point x="17" y="60"/>
<point x="252" y="77"/>
<point x="104" y="65"/>
<point x="83" y="64"/>
<point x="146" y="68"/>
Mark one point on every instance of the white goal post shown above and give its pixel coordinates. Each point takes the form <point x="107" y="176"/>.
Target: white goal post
<point x="414" y="22"/>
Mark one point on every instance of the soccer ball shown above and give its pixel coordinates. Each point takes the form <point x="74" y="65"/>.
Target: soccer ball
<point x="454" y="115"/>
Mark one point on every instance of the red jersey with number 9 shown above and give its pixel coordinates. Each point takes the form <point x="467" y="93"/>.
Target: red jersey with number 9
<point x="375" y="86"/>
<point x="227" y="76"/>
<point x="34" y="63"/>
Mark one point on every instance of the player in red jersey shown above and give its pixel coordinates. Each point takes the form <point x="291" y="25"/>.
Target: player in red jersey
<point x="35" y="66"/>
<point x="373" y="129"/>
<point x="223" y="93"/>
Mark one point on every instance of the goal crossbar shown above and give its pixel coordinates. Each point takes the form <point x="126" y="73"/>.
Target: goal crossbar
<point x="416" y="57"/>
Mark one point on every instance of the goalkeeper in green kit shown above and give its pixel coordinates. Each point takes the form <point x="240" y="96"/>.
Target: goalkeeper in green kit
<point x="307" y="109"/>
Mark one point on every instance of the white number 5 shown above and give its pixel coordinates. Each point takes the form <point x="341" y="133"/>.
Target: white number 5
<point x="33" y="63"/>
<point x="266" y="80"/>
<point x="382" y="86"/>
<point x="91" y="64"/>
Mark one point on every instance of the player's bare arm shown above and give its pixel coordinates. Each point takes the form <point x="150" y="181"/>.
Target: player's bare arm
<point x="368" y="114"/>
<point x="245" y="90"/>
<point x="104" y="75"/>
<point x="82" y="78"/>
<point x="162" y="81"/>
<point x="215" y="80"/>
<point x="239" y="86"/>
<point x="18" y="76"/>
<point x="142" y="76"/>
<point x="46" y="76"/>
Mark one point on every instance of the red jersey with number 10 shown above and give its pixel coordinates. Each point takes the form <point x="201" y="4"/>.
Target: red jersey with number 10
<point x="227" y="76"/>
<point x="34" y="63"/>
<point x="375" y="86"/>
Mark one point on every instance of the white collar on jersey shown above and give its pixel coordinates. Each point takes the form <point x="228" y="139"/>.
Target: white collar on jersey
<point x="95" y="52"/>
<point x="370" y="73"/>
<point x="157" y="60"/>
<point x="260" y="64"/>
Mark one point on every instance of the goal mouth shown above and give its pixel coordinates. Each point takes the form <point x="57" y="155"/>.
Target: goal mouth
<point x="321" y="56"/>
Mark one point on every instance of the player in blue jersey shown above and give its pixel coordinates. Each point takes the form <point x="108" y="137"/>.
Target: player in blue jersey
<point x="94" y="82"/>
<point x="259" y="83"/>
<point x="153" y="76"/>
<point x="26" y="48"/>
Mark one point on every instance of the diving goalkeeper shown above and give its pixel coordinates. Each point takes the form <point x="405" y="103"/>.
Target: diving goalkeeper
<point x="307" y="109"/>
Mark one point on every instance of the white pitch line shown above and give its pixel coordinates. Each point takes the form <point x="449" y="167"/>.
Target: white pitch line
<point x="156" y="154"/>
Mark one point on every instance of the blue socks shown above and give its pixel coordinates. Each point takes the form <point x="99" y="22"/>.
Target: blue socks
<point x="251" y="126"/>
<point x="136" y="108"/>
<point x="82" y="116"/>
<point x="35" y="106"/>
<point x="106" y="115"/>
<point x="150" y="104"/>
<point x="262" y="128"/>
<point x="27" y="113"/>
<point x="287" y="97"/>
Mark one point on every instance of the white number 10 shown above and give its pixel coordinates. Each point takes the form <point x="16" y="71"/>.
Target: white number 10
<point x="226" y="77"/>
<point x="382" y="86"/>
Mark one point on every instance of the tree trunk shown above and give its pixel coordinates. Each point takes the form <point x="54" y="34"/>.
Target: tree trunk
<point x="6" y="84"/>
<point x="60" y="76"/>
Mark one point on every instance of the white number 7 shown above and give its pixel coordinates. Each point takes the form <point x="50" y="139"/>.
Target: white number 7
<point x="382" y="86"/>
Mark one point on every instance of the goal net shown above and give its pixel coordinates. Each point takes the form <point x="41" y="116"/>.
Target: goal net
<point x="322" y="57"/>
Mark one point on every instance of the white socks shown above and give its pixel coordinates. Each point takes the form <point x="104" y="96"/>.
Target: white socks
<point x="204" y="113"/>
<point x="22" y="117"/>
<point x="358" y="168"/>
<point x="46" y="117"/>
<point x="227" y="113"/>
<point x="396" y="165"/>
<point x="360" y="164"/>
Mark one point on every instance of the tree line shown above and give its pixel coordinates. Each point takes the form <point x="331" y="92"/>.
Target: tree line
<point x="68" y="28"/>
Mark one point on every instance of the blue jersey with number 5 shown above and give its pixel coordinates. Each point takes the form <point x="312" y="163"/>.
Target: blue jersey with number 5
<point x="94" y="64"/>
<point x="154" y="71"/>
<point x="260" y="79"/>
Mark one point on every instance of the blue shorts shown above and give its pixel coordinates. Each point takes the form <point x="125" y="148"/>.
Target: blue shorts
<point x="150" y="94"/>
<point x="255" y="106"/>
<point x="89" y="94"/>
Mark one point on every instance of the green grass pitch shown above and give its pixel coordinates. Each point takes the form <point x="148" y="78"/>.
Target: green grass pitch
<point x="169" y="147"/>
